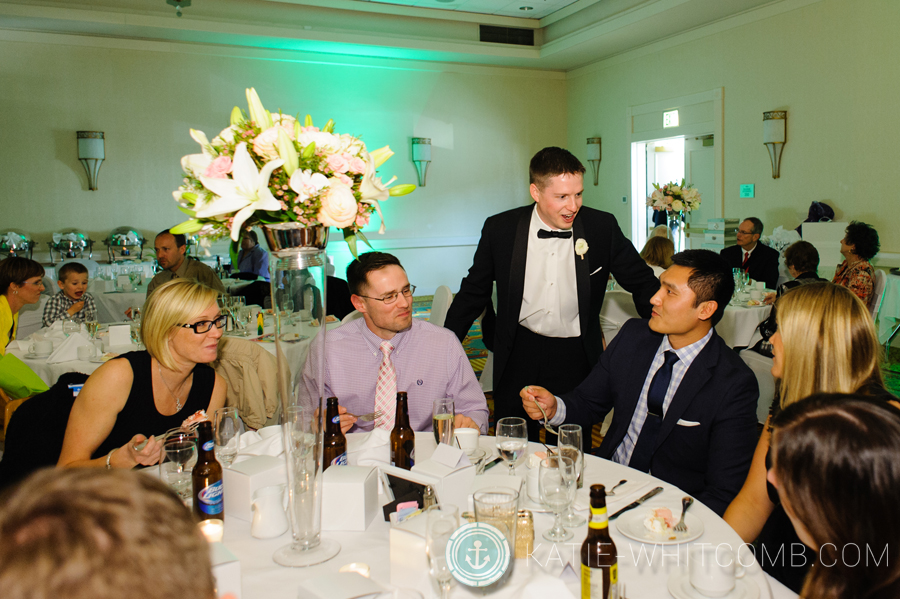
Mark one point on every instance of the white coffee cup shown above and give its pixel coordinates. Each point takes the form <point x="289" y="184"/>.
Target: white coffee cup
<point x="85" y="352"/>
<point x="269" y="517"/>
<point x="756" y="294"/>
<point x="761" y="285"/>
<point x="467" y="438"/>
<point x="43" y="348"/>
<point x="713" y="570"/>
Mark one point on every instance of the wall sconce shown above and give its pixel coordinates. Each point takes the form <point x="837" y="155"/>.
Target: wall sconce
<point x="773" y="137"/>
<point x="421" y="156"/>
<point x="91" y="154"/>
<point x="593" y="155"/>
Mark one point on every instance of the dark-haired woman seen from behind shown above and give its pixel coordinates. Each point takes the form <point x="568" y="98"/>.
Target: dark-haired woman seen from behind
<point x="859" y="245"/>
<point x="21" y="282"/>
<point x="836" y="470"/>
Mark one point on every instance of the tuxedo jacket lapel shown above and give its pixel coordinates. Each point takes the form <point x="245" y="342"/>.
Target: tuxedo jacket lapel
<point x="517" y="271"/>
<point x="582" y="277"/>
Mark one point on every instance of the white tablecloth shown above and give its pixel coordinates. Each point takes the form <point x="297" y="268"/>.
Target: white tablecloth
<point x="889" y="313"/>
<point x="736" y="327"/>
<point x="644" y="569"/>
<point x="111" y="306"/>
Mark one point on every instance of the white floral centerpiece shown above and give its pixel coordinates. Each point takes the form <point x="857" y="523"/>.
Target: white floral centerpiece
<point x="673" y="197"/>
<point x="269" y="168"/>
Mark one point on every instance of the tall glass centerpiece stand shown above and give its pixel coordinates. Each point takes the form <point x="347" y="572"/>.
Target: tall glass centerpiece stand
<point x="297" y="268"/>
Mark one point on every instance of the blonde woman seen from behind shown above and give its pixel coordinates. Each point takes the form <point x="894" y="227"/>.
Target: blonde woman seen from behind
<point x="657" y="253"/>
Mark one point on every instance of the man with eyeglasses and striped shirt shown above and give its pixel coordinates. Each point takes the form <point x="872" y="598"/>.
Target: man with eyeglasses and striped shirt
<point x="370" y="359"/>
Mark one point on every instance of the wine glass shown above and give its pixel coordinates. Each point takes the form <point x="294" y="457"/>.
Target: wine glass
<point x="570" y="446"/>
<point x="227" y="431"/>
<point x="557" y="484"/>
<point x="92" y="327"/>
<point x="442" y="521"/>
<point x="442" y="420"/>
<point x="70" y="327"/>
<point x="179" y="454"/>
<point x="512" y="440"/>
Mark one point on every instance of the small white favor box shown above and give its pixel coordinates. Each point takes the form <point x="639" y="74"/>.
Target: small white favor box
<point x="243" y="478"/>
<point x="349" y="498"/>
<point x="452" y="472"/>
<point x="721" y="224"/>
<point x="119" y="334"/>
<point x="226" y="570"/>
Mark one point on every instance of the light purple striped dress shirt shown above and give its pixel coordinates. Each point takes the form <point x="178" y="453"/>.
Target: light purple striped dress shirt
<point x="430" y="362"/>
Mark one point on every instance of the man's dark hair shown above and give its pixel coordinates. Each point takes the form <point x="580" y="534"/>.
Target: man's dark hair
<point x="71" y="268"/>
<point x="551" y="162"/>
<point x="864" y="238"/>
<point x="180" y="239"/>
<point x="802" y="256"/>
<point x="711" y="280"/>
<point x="757" y="225"/>
<point x="252" y="235"/>
<point x="358" y="270"/>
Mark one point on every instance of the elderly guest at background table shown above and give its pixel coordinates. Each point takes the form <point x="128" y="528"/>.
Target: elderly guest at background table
<point x="170" y="254"/>
<point x="825" y="342"/>
<point x="684" y="403"/>
<point x="252" y="259"/>
<point x="20" y="284"/>
<point x="657" y="253"/>
<point x="150" y="392"/>
<point x="757" y="259"/>
<point x="85" y="535"/>
<point x="859" y="245"/>
<point x="836" y="470"/>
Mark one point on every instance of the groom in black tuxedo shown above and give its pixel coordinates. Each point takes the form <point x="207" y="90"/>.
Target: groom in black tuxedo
<point x="551" y="262"/>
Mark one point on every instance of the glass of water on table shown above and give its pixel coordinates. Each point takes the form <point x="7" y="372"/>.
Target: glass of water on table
<point x="512" y="441"/>
<point x="569" y="445"/>
<point x="179" y="454"/>
<point x="442" y="420"/>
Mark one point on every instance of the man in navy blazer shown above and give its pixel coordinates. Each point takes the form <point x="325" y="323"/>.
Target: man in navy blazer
<point x="551" y="262"/>
<point x="702" y="439"/>
<point x="760" y="261"/>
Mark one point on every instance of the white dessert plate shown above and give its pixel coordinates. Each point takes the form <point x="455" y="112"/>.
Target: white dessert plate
<point x="680" y="587"/>
<point x="34" y="356"/>
<point x="631" y="524"/>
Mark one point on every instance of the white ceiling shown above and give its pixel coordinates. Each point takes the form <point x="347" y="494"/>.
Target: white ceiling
<point x="531" y="9"/>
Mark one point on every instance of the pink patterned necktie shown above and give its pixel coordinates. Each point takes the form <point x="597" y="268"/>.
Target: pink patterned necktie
<point x="386" y="389"/>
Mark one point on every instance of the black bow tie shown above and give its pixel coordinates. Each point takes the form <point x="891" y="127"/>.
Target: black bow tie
<point x="544" y="234"/>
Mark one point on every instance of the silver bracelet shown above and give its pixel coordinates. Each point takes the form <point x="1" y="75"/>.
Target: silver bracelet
<point x="109" y="457"/>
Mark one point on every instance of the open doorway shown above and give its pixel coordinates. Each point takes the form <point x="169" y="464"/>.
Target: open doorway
<point x="656" y="161"/>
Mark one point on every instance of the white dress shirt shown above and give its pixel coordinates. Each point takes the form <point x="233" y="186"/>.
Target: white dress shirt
<point x="550" y="296"/>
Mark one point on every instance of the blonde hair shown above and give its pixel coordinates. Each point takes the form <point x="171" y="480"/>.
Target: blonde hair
<point x="169" y="306"/>
<point x="658" y="251"/>
<point x="829" y="339"/>
<point x="83" y="533"/>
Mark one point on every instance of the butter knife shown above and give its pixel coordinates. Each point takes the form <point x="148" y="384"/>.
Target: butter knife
<point x="631" y="506"/>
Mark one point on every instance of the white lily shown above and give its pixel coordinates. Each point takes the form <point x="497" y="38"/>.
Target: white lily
<point x="247" y="192"/>
<point x="196" y="164"/>
<point x="258" y="114"/>
<point x="200" y="138"/>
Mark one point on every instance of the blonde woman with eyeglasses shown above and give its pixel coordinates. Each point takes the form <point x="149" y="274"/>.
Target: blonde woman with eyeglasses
<point x="21" y="283"/>
<point x="143" y="394"/>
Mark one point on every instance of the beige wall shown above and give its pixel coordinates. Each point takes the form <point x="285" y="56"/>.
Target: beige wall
<point x="833" y="65"/>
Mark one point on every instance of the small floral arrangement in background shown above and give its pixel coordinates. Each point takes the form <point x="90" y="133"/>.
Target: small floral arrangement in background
<point x="269" y="168"/>
<point x="673" y="197"/>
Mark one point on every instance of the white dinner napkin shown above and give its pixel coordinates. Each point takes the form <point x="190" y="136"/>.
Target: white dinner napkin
<point x="54" y="331"/>
<point x="265" y="441"/>
<point x="369" y="449"/>
<point x="542" y="585"/>
<point x="625" y="494"/>
<point x="68" y="349"/>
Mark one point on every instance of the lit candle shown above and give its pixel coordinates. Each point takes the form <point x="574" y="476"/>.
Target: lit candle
<point x="213" y="530"/>
<point x="358" y="567"/>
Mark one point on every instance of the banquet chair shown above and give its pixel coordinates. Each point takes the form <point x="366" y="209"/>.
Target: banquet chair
<point x="440" y="305"/>
<point x="252" y="376"/>
<point x="878" y="293"/>
<point x="762" y="369"/>
<point x="9" y="406"/>
<point x="351" y="317"/>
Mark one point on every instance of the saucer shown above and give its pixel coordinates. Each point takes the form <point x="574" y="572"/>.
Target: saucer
<point x="680" y="587"/>
<point x="34" y="356"/>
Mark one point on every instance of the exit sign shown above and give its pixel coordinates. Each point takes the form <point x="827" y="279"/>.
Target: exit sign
<point x="748" y="191"/>
<point x="670" y="119"/>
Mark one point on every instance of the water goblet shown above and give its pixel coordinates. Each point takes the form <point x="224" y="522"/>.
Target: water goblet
<point x="179" y="454"/>
<point x="557" y="485"/>
<point x="70" y="327"/>
<point x="570" y="446"/>
<point x="442" y="521"/>
<point x="227" y="431"/>
<point x="512" y="440"/>
<point x="442" y="420"/>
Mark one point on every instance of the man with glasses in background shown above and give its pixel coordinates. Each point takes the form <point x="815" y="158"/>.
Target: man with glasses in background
<point x="370" y="359"/>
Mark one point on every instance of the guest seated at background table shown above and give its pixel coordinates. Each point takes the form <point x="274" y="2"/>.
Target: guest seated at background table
<point x="759" y="260"/>
<point x="170" y="254"/>
<point x="859" y="245"/>
<point x="684" y="403"/>
<point x="86" y="535"/>
<point x="146" y="393"/>
<point x="371" y="358"/>
<point x="72" y="301"/>
<point x="836" y="471"/>
<point x="21" y="282"/>
<point x="825" y="341"/>
<point x="661" y="230"/>
<point x="657" y="253"/>
<point x="252" y="258"/>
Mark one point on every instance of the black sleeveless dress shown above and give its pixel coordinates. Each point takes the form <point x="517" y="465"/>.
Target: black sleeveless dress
<point x="140" y="416"/>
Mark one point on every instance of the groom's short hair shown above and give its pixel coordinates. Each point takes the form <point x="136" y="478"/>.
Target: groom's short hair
<point x="551" y="162"/>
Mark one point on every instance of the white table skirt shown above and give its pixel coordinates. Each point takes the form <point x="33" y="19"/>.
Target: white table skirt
<point x="889" y="313"/>
<point x="644" y="569"/>
<point x="111" y="306"/>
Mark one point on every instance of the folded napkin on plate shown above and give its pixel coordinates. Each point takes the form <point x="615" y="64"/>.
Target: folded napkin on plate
<point x="542" y="585"/>
<point x="68" y="349"/>
<point x="369" y="449"/>
<point x="265" y="441"/>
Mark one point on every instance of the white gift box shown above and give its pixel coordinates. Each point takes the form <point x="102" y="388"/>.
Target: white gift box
<point x="452" y="475"/>
<point x="226" y="570"/>
<point x="720" y="238"/>
<point x="722" y="224"/>
<point x="119" y="334"/>
<point x="409" y="564"/>
<point x="243" y="478"/>
<point x="349" y="497"/>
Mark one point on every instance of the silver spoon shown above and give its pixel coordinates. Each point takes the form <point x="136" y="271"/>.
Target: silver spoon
<point x="619" y="484"/>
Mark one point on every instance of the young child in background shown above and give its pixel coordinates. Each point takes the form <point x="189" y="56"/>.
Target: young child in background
<point x="73" y="301"/>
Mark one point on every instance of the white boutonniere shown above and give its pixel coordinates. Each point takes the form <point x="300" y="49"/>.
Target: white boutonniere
<point x="581" y="247"/>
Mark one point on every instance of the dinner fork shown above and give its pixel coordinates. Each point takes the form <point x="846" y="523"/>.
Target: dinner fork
<point x="685" y="504"/>
<point x="545" y="422"/>
<point x="368" y="417"/>
<point x="617" y="485"/>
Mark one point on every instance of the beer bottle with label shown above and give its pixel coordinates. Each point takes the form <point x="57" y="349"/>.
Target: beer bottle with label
<point x="335" y="442"/>
<point x="403" y="438"/>
<point x="599" y="562"/>
<point x="209" y="499"/>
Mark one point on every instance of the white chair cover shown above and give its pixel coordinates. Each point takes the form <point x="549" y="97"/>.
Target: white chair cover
<point x="878" y="292"/>
<point x="352" y="316"/>
<point x="440" y="305"/>
<point x="762" y="368"/>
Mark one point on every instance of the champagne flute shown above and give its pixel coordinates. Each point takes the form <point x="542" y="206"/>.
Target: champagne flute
<point x="92" y="327"/>
<point x="557" y="484"/>
<point x="227" y="431"/>
<point x="179" y="454"/>
<point x="512" y="440"/>
<point x="442" y="521"/>
<point x="442" y="420"/>
<point x="570" y="447"/>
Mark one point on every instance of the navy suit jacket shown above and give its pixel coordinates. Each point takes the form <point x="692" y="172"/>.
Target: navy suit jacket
<point x="501" y="256"/>
<point x="708" y="433"/>
<point x="762" y="265"/>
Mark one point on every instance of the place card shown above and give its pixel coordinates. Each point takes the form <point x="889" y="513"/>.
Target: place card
<point x="342" y="585"/>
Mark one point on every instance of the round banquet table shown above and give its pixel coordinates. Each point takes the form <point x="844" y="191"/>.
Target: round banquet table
<point x="736" y="327"/>
<point x="111" y="305"/>
<point x="644" y="569"/>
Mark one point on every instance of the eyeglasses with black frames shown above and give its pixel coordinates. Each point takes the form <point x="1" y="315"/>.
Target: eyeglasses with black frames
<point x="204" y="326"/>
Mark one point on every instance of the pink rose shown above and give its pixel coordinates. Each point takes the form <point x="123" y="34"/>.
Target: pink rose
<point x="338" y="163"/>
<point x="362" y="220"/>
<point x="357" y="165"/>
<point x="345" y="179"/>
<point x="338" y="206"/>
<point x="218" y="168"/>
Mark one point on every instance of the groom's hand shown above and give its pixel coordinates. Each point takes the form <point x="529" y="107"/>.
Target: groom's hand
<point x="531" y="396"/>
